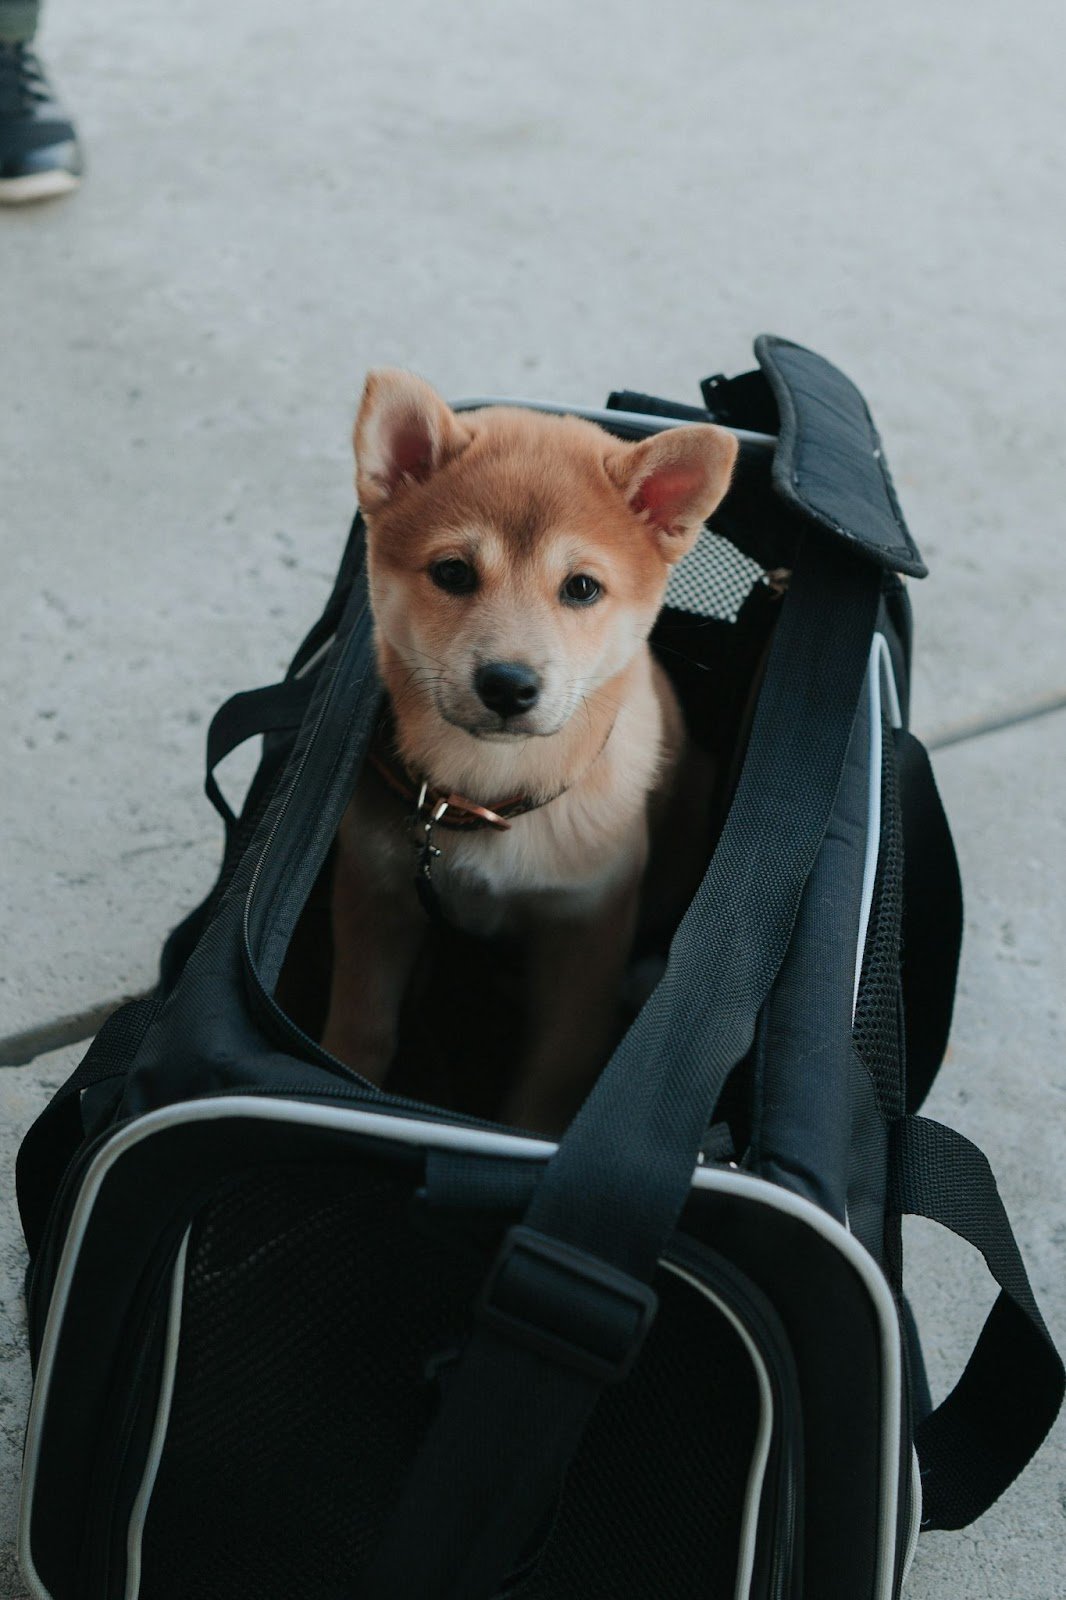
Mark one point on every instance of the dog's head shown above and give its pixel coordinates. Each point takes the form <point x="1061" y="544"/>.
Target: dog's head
<point x="517" y="560"/>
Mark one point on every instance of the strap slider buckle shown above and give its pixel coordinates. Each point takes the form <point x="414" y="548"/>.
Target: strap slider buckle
<point x="568" y="1305"/>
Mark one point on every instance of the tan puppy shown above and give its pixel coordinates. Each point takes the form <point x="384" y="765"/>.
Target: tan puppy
<point x="517" y="564"/>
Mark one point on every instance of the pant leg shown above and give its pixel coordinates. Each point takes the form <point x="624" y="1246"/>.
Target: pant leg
<point x="18" y="20"/>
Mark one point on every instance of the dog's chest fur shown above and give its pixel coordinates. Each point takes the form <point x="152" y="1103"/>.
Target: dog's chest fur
<point x="564" y="857"/>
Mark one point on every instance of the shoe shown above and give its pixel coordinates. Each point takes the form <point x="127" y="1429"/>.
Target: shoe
<point x="39" y="151"/>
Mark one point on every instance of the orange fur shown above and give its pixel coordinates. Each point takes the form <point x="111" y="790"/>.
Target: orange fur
<point x="527" y="501"/>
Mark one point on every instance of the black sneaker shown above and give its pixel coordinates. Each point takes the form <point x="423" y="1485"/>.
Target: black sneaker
<point x="39" y="151"/>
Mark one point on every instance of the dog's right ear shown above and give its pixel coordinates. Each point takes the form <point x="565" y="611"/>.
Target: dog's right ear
<point x="404" y="432"/>
<point x="674" y="480"/>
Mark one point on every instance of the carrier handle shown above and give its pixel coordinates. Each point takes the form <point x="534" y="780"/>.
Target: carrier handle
<point x="275" y="708"/>
<point x="568" y="1300"/>
<point x="280" y="707"/>
<point x="973" y="1446"/>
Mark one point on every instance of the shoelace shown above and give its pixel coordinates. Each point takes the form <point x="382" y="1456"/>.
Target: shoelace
<point x="22" y="80"/>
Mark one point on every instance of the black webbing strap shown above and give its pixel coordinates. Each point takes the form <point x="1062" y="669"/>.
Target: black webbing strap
<point x="978" y="1440"/>
<point x="932" y="918"/>
<point x="277" y="708"/>
<point x="53" y="1139"/>
<point x="272" y="709"/>
<point x="569" y="1300"/>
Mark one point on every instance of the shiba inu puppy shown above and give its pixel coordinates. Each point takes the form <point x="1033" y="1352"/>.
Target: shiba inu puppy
<point x="517" y="563"/>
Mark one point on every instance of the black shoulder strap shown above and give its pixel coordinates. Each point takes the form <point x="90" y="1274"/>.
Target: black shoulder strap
<point x="569" y="1300"/>
<point x="978" y="1440"/>
<point x="931" y="934"/>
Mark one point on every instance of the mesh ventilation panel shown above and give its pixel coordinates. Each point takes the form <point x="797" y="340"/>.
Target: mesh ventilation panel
<point x="318" y="1323"/>
<point x="878" y="1030"/>
<point x="713" y="580"/>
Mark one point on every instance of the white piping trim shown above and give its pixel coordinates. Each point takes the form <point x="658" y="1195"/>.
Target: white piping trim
<point x="879" y="671"/>
<point x="138" y="1516"/>
<point x="888" y="675"/>
<point x="916" y="1516"/>
<point x="448" y="1136"/>
<point x="876" y="1284"/>
<point x="319" y="655"/>
<point x="596" y="414"/>
<point x="749" y="1525"/>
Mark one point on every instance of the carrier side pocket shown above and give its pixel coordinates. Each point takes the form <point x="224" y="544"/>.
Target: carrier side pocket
<point x="973" y="1446"/>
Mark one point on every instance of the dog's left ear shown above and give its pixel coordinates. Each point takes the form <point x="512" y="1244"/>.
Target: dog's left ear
<point x="675" y="480"/>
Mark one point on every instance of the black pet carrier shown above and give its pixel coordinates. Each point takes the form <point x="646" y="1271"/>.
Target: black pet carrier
<point x="297" y="1338"/>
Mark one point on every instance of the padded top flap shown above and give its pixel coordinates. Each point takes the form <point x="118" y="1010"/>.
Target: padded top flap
<point x="828" y="464"/>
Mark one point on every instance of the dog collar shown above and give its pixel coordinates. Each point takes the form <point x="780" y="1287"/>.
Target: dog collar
<point x="434" y="808"/>
<point x="441" y="808"/>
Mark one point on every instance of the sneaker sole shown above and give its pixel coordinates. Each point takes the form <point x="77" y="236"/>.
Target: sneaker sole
<point x="37" y="186"/>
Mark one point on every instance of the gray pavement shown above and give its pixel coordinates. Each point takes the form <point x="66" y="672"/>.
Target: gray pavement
<point x="550" y="200"/>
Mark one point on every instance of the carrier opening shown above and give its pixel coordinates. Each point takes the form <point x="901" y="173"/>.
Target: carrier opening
<point x="464" y="1012"/>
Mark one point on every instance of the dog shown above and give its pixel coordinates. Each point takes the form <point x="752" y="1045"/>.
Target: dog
<point x="517" y="562"/>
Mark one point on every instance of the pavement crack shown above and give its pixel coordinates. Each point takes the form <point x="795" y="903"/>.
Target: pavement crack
<point x="960" y="732"/>
<point x="156" y="849"/>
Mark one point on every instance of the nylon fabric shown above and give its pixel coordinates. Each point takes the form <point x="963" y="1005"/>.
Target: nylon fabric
<point x="479" y="1183"/>
<point x="53" y="1140"/>
<point x="801" y="1118"/>
<point x="622" y="1172"/>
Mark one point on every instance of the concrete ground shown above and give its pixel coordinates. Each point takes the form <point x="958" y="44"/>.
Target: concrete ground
<point x="548" y="200"/>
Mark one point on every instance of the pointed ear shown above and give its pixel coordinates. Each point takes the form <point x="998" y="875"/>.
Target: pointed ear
<point x="404" y="432"/>
<point x="675" y="480"/>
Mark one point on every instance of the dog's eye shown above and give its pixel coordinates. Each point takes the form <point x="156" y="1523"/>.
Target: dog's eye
<point x="580" y="590"/>
<point x="454" y="576"/>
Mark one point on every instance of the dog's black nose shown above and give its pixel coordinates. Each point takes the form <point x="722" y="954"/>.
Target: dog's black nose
<point x="507" y="687"/>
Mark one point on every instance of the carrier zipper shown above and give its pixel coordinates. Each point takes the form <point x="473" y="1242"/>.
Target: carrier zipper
<point x="783" y="1576"/>
<point x="782" y="1556"/>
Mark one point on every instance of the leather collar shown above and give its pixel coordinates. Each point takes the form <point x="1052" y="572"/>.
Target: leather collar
<point x="445" y="809"/>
